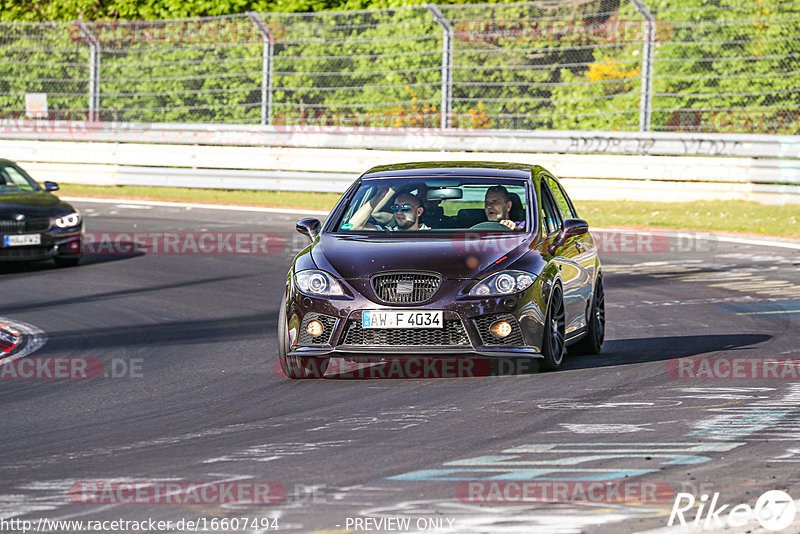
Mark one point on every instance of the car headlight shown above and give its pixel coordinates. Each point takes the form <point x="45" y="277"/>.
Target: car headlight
<point x="68" y="221"/>
<point x="316" y="282"/>
<point x="503" y="283"/>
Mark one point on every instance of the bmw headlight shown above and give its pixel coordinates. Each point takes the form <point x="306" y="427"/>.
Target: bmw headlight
<point x="503" y="283"/>
<point x="68" y="221"/>
<point x="316" y="282"/>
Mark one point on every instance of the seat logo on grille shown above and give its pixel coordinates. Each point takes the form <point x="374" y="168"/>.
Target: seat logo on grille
<point x="405" y="287"/>
<point x="20" y="217"/>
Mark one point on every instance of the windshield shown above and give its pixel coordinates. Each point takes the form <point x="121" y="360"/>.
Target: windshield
<point x="436" y="205"/>
<point x="12" y="179"/>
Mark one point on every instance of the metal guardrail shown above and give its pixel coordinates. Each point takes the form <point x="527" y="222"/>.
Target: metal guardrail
<point x="580" y="189"/>
<point x="622" y="165"/>
<point x="523" y="141"/>
<point x="606" y="176"/>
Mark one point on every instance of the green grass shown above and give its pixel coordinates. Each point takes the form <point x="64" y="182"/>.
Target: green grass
<point x="267" y="199"/>
<point x="718" y="216"/>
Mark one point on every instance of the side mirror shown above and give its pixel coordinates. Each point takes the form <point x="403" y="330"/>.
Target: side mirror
<point x="309" y="227"/>
<point x="569" y="228"/>
<point x="573" y="227"/>
<point x="51" y="186"/>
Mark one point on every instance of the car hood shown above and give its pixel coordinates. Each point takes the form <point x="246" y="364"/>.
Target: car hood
<point x="37" y="203"/>
<point x="454" y="257"/>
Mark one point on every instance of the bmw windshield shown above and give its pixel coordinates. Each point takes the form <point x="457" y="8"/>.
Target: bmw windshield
<point x="14" y="180"/>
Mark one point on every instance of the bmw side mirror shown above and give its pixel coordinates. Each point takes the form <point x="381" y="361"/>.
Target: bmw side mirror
<point x="51" y="186"/>
<point x="309" y="227"/>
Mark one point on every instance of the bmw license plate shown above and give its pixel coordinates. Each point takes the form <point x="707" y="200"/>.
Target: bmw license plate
<point x="402" y="319"/>
<point x="22" y="240"/>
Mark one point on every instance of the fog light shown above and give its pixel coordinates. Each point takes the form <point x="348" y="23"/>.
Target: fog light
<point x="314" y="328"/>
<point x="74" y="246"/>
<point x="501" y="329"/>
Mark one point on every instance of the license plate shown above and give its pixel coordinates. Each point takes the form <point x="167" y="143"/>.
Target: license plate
<point x="402" y="319"/>
<point x="22" y="240"/>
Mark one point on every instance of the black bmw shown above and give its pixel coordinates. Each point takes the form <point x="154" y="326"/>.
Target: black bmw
<point x="439" y="259"/>
<point x="34" y="223"/>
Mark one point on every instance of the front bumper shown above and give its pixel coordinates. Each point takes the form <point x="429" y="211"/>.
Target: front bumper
<point x="66" y="244"/>
<point x="340" y="316"/>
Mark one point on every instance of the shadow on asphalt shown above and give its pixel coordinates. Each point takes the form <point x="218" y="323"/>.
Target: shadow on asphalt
<point x="654" y="349"/>
<point x="173" y="333"/>
<point x="111" y="295"/>
<point x="20" y="267"/>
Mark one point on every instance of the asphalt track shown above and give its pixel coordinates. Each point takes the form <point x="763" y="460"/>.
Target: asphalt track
<point x="189" y="393"/>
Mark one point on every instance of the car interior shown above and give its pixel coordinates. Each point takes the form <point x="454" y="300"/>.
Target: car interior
<point x="448" y="206"/>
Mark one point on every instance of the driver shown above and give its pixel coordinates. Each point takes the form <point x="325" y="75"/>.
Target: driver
<point x="497" y="206"/>
<point x="406" y="212"/>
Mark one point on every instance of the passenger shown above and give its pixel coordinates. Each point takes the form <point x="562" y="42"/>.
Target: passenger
<point x="434" y="215"/>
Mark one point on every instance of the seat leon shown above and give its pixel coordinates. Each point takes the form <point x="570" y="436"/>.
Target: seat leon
<point x="435" y="260"/>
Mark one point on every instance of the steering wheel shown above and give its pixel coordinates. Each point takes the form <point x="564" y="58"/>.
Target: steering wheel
<point x="488" y="225"/>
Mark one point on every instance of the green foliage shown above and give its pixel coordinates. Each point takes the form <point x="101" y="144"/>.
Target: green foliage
<point x="729" y="69"/>
<point x="723" y="66"/>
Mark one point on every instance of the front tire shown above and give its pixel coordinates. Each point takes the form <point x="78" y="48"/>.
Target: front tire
<point x="592" y="342"/>
<point x="296" y="367"/>
<point x="554" y="334"/>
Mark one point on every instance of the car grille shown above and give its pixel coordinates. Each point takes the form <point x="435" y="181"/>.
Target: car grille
<point x="405" y="288"/>
<point x="11" y="227"/>
<point x="37" y="225"/>
<point x="485" y="322"/>
<point x="31" y="225"/>
<point x="25" y="252"/>
<point x="452" y="335"/>
<point x="328" y="323"/>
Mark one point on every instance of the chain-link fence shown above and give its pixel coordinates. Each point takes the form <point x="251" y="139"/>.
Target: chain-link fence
<point x="552" y="64"/>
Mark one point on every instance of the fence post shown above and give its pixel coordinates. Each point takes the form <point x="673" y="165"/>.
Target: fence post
<point x="94" y="72"/>
<point x="647" y="65"/>
<point x="266" y="67"/>
<point x="447" y="62"/>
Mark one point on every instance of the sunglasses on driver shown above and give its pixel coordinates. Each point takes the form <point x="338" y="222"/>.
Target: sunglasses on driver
<point x="404" y="208"/>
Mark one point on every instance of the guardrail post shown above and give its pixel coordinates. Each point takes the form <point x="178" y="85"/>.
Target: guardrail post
<point x="447" y="62"/>
<point x="266" y="67"/>
<point x="647" y="65"/>
<point x="94" y="72"/>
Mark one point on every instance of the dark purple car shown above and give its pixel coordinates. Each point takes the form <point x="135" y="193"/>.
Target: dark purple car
<point x="444" y="260"/>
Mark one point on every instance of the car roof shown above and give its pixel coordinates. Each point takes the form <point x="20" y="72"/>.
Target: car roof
<point x="452" y="168"/>
<point x="4" y="161"/>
